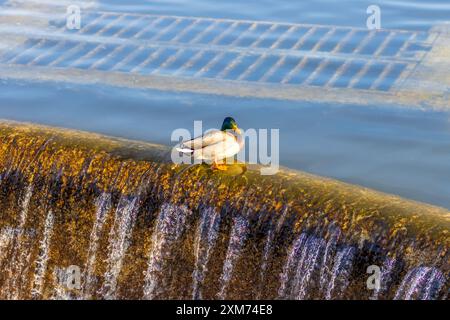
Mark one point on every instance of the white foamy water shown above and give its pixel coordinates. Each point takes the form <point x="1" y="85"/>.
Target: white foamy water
<point x="282" y="219"/>
<point x="24" y="207"/>
<point x="119" y="238"/>
<point x="238" y="236"/>
<point x="41" y="262"/>
<point x="265" y="260"/>
<point x="290" y="265"/>
<point x="169" y="227"/>
<point x="20" y="254"/>
<point x="268" y="247"/>
<point x="421" y="283"/>
<point x="103" y="205"/>
<point x="304" y="259"/>
<point x="436" y="280"/>
<point x="385" y="277"/>
<point x="312" y="261"/>
<point x="6" y="236"/>
<point x="330" y="251"/>
<point x="309" y="262"/>
<point x="341" y="270"/>
<point x="60" y="290"/>
<point x="205" y="240"/>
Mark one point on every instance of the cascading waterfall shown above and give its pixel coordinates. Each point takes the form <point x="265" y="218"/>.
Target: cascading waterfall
<point x="425" y="282"/>
<point x="238" y="235"/>
<point x="118" y="244"/>
<point x="18" y="260"/>
<point x="308" y="258"/>
<point x="169" y="227"/>
<point x="103" y="205"/>
<point x="306" y="266"/>
<point x="385" y="277"/>
<point x="265" y="260"/>
<point x="329" y="252"/>
<point x="42" y="260"/>
<point x="109" y="208"/>
<point x="341" y="270"/>
<point x="205" y="239"/>
<point x="268" y="248"/>
<point x="289" y="267"/>
<point x="6" y="236"/>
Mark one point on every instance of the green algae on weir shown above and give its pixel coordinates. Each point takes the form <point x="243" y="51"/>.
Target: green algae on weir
<point x="111" y="203"/>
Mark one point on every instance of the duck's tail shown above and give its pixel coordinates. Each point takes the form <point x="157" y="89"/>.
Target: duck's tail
<point x="184" y="150"/>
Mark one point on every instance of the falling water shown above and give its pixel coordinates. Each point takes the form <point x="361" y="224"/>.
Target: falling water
<point x="60" y="291"/>
<point x="265" y="260"/>
<point x="41" y="262"/>
<point x="18" y="261"/>
<point x="340" y="272"/>
<point x="205" y="238"/>
<point x="24" y="211"/>
<point x="181" y="248"/>
<point x="385" y="277"/>
<point x="119" y="238"/>
<point x="420" y="283"/>
<point x="238" y="236"/>
<point x="330" y="250"/>
<point x="272" y="231"/>
<point x="168" y="230"/>
<point x="434" y="284"/>
<point x="6" y="237"/>
<point x="103" y="205"/>
<point x="308" y="263"/>
<point x="289" y="267"/>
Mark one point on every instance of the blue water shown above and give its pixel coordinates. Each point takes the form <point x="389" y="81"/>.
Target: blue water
<point x="403" y="151"/>
<point x="395" y="14"/>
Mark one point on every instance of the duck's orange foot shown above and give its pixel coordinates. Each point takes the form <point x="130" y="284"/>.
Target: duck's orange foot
<point x="221" y="167"/>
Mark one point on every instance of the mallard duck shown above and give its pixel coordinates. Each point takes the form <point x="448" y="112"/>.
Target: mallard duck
<point x="215" y="145"/>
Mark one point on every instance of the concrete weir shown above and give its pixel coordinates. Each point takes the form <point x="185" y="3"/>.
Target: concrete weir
<point x="119" y="221"/>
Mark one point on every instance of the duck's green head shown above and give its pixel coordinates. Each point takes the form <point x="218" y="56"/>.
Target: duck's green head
<point x="230" y="124"/>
